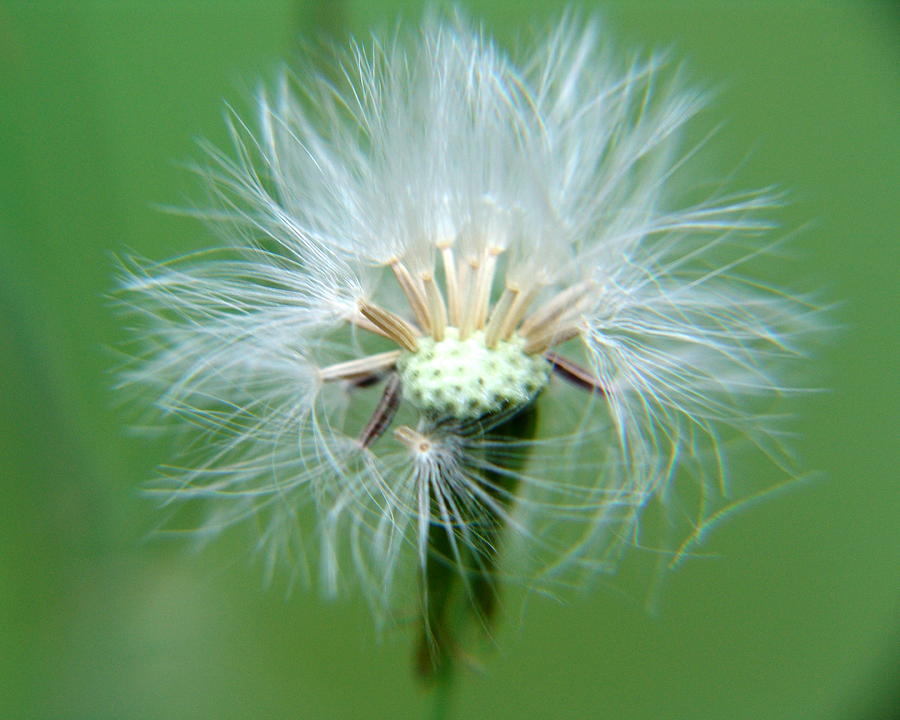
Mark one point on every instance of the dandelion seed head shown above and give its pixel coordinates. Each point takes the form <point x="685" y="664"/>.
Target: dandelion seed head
<point x="431" y="254"/>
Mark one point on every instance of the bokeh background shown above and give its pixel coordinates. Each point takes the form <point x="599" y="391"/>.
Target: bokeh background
<point x="794" y="618"/>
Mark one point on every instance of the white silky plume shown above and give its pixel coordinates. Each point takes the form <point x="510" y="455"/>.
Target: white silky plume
<point x="525" y="200"/>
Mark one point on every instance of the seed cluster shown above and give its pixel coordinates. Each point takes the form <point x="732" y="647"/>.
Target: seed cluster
<point x="465" y="379"/>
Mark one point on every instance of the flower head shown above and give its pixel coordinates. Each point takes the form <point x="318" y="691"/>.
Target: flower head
<point x="459" y="321"/>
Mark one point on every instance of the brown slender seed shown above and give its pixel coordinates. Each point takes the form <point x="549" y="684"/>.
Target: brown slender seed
<point x="384" y="413"/>
<point x="574" y="373"/>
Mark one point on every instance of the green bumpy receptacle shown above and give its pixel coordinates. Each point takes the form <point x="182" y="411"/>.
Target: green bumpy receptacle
<point x="465" y="379"/>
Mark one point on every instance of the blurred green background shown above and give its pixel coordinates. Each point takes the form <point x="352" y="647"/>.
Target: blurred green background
<point x="796" y="617"/>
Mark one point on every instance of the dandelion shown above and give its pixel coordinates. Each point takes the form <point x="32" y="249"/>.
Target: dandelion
<point x="460" y="332"/>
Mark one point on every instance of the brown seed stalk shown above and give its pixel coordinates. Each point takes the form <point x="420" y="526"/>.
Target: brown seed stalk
<point x="383" y="414"/>
<point x="574" y="373"/>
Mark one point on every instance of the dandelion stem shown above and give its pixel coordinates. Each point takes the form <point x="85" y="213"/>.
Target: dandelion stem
<point x="502" y="487"/>
<point x="460" y="581"/>
<point x="440" y="698"/>
<point x="440" y="575"/>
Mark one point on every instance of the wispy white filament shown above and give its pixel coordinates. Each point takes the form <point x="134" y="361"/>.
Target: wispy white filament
<point x="440" y="183"/>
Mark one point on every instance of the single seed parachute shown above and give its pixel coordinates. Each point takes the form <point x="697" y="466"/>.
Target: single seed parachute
<point x="461" y="332"/>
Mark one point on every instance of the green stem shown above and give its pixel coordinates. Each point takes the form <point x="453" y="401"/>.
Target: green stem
<point x="443" y="575"/>
<point x="434" y="656"/>
<point x="441" y="693"/>
<point x="502" y="488"/>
